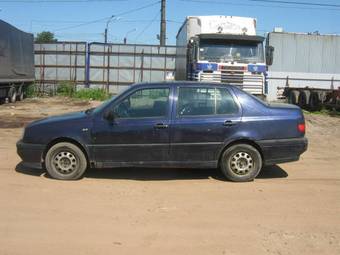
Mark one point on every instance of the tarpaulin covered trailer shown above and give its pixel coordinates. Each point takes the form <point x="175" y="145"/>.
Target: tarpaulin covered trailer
<point x="16" y="61"/>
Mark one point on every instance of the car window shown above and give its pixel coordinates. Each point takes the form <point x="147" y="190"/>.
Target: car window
<point x="225" y="103"/>
<point x="144" y="103"/>
<point x="196" y="101"/>
<point x="204" y="101"/>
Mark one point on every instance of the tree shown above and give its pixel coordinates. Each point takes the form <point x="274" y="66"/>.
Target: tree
<point x="45" y="37"/>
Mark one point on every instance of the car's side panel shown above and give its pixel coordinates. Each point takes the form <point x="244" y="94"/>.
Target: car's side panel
<point x="200" y="138"/>
<point x="131" y="141"/>
<point x="76" y="128"/>
<point x="263" y="122"/>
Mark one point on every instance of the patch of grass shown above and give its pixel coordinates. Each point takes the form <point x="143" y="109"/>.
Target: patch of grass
<point x="92" y="94"/>
<point x="31" y="91"/>
<point x="66" y="89"/>
<point x="324" y="111"/>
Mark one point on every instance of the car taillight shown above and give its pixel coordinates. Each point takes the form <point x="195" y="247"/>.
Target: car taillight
<point x="302" y="128"/>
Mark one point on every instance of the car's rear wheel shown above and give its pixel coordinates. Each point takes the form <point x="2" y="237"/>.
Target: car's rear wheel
<point x="241" y="163"/>
<point x="65" y="161"/>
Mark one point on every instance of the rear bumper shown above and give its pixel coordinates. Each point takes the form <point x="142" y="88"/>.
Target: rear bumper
<point x="282" y="150"/>
<point x="30" y="153"/>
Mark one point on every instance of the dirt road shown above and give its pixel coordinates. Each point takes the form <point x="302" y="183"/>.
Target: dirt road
<point x="289" y="209"/>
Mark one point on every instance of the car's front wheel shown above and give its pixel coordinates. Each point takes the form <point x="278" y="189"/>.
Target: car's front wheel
<point x="241" y="163"/>
<point x="65" y="161"/>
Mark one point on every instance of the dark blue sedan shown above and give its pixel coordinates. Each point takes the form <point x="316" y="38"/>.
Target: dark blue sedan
<point x="179" y="124"/>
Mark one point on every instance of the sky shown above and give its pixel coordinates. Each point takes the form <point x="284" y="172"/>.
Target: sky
<point x="85" y="20"/>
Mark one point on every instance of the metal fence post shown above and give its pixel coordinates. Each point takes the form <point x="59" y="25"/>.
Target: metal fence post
<point x="108" y="70"/>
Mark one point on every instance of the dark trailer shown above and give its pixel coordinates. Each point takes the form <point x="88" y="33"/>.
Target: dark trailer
<point x="16" y="62"/>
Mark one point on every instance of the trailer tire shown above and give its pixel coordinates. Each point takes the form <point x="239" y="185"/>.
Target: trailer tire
<point x="12" y="95"/>
<point x="293" y="97"/>
<point x="20" y="95"/>
<point x="304" y="99"/>
<point x="314" y="102"/>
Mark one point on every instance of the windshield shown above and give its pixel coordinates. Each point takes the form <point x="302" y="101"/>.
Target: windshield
<point x="225" y="51"/>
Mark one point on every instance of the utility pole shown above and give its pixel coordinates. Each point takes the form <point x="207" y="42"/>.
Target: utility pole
<point x="105" y="36"/>
<point x="162" y="39"/>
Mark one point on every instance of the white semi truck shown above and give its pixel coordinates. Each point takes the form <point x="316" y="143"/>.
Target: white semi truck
<point x="222" y="49"/>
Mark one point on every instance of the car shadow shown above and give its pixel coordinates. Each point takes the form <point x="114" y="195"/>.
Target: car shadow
<point x="157" y="174"/>
<point x="272" y="172"/>
<point x="28" y="170"/>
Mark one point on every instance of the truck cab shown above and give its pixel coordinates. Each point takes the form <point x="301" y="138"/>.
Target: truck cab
<point x="222" y="49"/>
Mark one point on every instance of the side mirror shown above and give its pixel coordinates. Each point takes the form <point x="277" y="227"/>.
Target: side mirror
<point x="109" y="116"/>
<point x="269" y="55"/>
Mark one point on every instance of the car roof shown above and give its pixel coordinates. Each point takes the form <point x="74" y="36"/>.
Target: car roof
<point x="176" y="83"/>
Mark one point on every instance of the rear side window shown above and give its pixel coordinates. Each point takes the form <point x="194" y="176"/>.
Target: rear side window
<point x="225" y="103"/>
<point x="205" y="101"/>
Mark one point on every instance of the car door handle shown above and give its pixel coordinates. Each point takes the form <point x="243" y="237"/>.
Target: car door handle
<point x="229" y="123"/>
<point x="160" y="126"/>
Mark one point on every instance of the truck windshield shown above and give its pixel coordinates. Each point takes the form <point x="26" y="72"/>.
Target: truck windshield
<point x="222" y="51"/>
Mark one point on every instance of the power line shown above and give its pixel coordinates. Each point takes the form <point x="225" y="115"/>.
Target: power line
<point x="147" y="26"/>
<point x="83" y="21"/>
<point x="297" y="3"/>
<point x="260" y="5"/>
<point x="104" y="19"/>
<point x="58" y="1"/>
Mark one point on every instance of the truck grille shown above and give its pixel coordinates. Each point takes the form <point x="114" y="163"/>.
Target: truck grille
<point x="232" y="77"/>
<point x="233" y="68"/>
<point x="252" y="83"/>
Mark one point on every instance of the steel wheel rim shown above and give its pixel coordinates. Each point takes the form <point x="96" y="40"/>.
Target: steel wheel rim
<point x="241" y="163"/>
<point x="65" y="162"/>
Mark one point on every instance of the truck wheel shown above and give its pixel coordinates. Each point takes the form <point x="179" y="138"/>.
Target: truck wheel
<point x="314" y="102"/>
<point x="65" y="161"/>
<point x="20" y="95"/>
<point x="293" y="97"/>
<point x="241" y="163"/>
<point x="304" y="99"/>
<point x="12" y="94"/>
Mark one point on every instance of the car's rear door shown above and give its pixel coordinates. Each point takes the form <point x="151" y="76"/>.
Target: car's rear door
<point x="202" y="119"/>
<point x="140" y="130"/>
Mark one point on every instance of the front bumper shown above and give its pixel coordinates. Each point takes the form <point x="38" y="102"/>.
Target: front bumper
<point x="30" y="153"/>
<point x="282" y="150"/>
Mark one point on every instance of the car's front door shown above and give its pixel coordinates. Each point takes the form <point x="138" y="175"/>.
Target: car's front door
<point x="203" y="118"/>
<point x="139" y="132"/>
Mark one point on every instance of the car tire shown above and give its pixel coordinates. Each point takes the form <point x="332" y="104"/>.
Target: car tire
<point x="241" y="163"/>
<point x="65" y="161"/>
